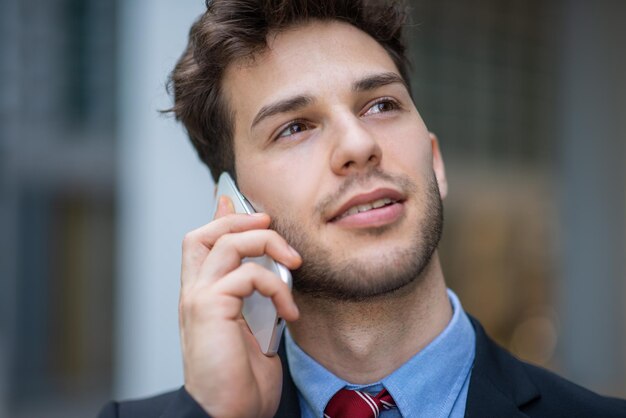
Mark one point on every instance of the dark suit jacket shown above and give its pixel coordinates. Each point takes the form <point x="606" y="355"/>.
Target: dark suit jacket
<point x="500" y="386"/>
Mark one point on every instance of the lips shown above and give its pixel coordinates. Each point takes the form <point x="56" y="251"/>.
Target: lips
<point x="366" y="202"/>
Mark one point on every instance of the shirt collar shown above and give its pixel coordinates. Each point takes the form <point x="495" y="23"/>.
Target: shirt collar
<point x="437" y="373"/>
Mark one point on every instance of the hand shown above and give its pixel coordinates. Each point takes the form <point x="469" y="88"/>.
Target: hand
<point x="225" y="371"/>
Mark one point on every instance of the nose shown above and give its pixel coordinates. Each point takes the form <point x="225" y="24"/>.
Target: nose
<point x="355" y="147"/>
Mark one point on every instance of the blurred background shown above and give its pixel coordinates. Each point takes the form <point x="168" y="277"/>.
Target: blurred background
<point x="97" y="189"/>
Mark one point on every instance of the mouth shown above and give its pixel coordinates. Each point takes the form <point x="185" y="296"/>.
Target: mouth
<point x="377" y="204"/>
<point x="369" y="207"/>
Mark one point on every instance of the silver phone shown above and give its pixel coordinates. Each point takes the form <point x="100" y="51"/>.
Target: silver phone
<point x="258" y="311"/>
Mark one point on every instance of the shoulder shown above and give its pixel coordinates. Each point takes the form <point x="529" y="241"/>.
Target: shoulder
<point x="531" y="390"/>
<point x="177" y="403"/>
<point x="558" y="394"/>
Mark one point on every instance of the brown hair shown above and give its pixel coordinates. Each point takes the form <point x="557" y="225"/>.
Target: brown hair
<point x="232" y="30"/>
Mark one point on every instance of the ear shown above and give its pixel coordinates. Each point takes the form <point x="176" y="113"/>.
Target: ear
<point x="438" y="166"/>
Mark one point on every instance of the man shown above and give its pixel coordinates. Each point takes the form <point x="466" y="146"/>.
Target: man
<point x="307" y="104"/>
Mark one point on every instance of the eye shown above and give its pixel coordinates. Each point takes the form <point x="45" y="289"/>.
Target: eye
<point x="291" y="129"/>
<point x="382" y="106"/>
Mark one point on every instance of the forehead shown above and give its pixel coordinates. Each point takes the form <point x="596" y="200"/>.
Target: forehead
<point x="314" y="59"/>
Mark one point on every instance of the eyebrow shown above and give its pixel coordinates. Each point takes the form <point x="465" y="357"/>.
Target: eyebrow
<point x="375" y="81"/>
<point x="282" y="106"/>
<point x="298" y="102"/>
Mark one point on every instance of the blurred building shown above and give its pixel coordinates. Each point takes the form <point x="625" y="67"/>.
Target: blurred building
<point x="97" y="189"/>
<point x="57" y="204"/>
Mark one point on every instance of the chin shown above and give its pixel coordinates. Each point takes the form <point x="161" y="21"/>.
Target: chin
<point x="362" y="278"/>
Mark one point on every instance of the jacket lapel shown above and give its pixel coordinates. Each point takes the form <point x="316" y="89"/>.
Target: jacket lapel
<point x="499" y="385"/>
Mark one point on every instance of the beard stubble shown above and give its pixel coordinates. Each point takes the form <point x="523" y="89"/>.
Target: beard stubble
<point x="323" y="276"/>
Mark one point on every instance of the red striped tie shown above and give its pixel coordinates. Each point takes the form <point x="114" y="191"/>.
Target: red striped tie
<point x="355" y="404"/>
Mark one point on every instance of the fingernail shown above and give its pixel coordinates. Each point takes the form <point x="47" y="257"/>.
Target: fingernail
<point x="229" y="205"/>
<point x="222" y="204"/>
<point x="293" y="251"/>
<point x="257" y="215"/>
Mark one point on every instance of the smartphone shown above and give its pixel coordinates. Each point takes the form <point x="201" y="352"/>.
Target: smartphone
<point x="258" y="311"/>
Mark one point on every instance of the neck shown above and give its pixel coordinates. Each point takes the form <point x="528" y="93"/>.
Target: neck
<point x="361" y="348"/>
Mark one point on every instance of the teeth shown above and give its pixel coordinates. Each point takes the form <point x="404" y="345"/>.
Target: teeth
<point x="380" y="203"/>
<point x="352" y="211"/>
<point x="367" y="206"/>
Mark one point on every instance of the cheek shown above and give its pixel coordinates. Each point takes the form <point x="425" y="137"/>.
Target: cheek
<point x="279" y="186"/>
<point x="409" y="151"/>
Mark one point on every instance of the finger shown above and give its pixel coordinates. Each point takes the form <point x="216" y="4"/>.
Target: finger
<point x="230" y="249"/>
<point x="224" y="207"/>
<point x="198" y="243"/>
<point x="208" y="234"/>
<point x="249" y="277"/>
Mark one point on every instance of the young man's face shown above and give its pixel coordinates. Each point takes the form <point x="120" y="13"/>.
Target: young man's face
<point x="329" y="144"/>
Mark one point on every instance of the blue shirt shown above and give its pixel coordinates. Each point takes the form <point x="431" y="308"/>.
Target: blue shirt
<point x="432" y="383"/>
